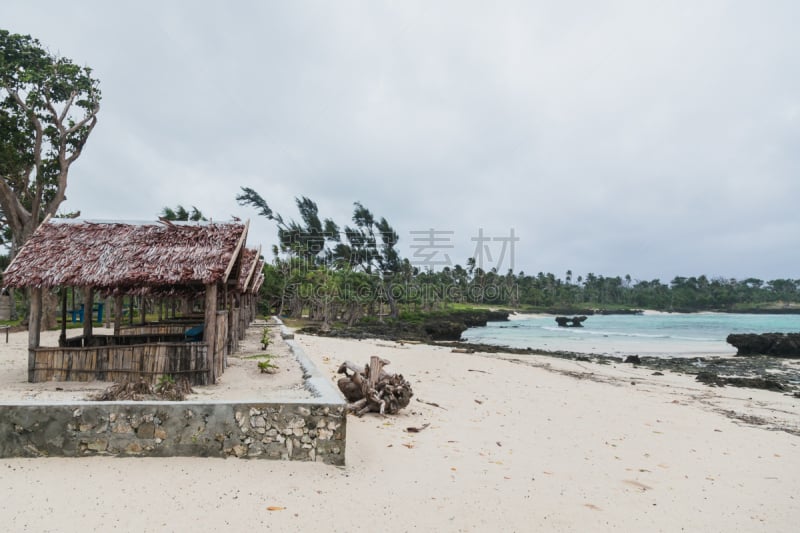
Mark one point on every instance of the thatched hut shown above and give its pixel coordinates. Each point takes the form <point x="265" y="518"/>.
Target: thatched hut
<point x="115" y="259"/>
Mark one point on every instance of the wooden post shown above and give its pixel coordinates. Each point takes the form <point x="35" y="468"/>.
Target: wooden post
<point x="143" y="310"/>
<point x="62" y="339"/>
<point x="88" y="314"/>
<point x="117" y="314"/>
<point x="34" y="328"/>
<point x="130" y="310"/>
<point x="108" y="311"/>
<point x="210" y="331"/>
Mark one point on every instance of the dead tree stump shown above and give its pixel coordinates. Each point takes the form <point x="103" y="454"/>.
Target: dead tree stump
<point x="372" y="389"/>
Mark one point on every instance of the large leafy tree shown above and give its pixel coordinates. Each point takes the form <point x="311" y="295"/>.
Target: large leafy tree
<point x="333" y="273"/>
<point x="48" y="108"/>
<point x="306" y="239"/>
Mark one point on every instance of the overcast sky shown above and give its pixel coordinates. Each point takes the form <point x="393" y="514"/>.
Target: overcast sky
<point x="646" y="138"/>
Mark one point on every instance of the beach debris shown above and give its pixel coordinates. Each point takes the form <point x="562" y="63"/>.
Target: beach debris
<point x="166" y="389"/>
<point x="276" y="508"/>
<point x="476" y="370"/>
<point x="462" y="350"/>
<point x="417" y="429"/>
<point x="714" y="380"/>
<point x="637" y="484"/>
<point x="372" y="389"/>
<point x="433" y="404"/>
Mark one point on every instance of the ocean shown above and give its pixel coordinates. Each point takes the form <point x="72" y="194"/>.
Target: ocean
<point x="650" y="334"/>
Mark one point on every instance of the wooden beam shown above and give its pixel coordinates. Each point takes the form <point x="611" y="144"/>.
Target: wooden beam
<point x="252" y="270"/>
<point x="117" y="314"/>
<point x="210" y="331"/>
<point x="107" y="309"/>
<point x="62" y="339"/>
<point x="34" y="328"/>
<point x="236" y="252"/>
<point x="88" y="312"/>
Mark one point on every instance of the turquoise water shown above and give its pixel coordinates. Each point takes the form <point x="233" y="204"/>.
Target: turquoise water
<point x="650" y="334"/>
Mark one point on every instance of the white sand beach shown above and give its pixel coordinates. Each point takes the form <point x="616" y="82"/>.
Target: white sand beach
<point x="517" y="443"/>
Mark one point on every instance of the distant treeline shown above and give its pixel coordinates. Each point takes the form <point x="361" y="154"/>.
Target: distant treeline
<point x="345" y="273"/>
<point x="344" y="294"/>
<point x="597" y="291"/>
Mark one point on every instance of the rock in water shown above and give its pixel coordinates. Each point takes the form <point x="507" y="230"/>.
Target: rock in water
<point x="574" y="322"/>
<point x="776" y="344"/>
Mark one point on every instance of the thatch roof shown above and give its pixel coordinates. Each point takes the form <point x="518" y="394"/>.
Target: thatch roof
<point x="258" y="282"/>
<point x="258" y="277"/>
<point x="125" y="257"/>
<point x="250" y="261"/>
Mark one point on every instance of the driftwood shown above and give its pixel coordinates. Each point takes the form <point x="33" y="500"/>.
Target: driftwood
<point x="371" y="388"/>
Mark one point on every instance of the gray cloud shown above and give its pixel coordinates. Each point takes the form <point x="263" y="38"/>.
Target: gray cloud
<point x="637" y="138"/>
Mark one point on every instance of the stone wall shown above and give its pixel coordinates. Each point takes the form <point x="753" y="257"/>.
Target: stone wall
<point x="312" y="430"/>
<point x="289" y="431"/>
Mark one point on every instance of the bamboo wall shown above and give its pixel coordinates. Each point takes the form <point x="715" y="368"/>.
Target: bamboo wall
<point x="160" y="328"/>
<point x="121" y="340"/>
<point x="235" y="331"/>
<point x="122" y="363"/>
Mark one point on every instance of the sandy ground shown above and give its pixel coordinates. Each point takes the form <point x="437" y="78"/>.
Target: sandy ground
<point x="516" y="444"/>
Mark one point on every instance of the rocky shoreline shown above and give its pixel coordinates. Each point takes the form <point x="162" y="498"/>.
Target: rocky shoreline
<point x="445" y="328"/>
<point x="760" y="372"/>
<point x="428" y="327"/>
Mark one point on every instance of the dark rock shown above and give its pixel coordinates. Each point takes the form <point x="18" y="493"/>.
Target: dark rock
<point x="633" y="359"/>
<point x="775" y="344"/>
<point x="755" y="383"/>
<point x="710" y="378"/>
<point x="444" y="330"/>
<point x="574" y="322"/>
